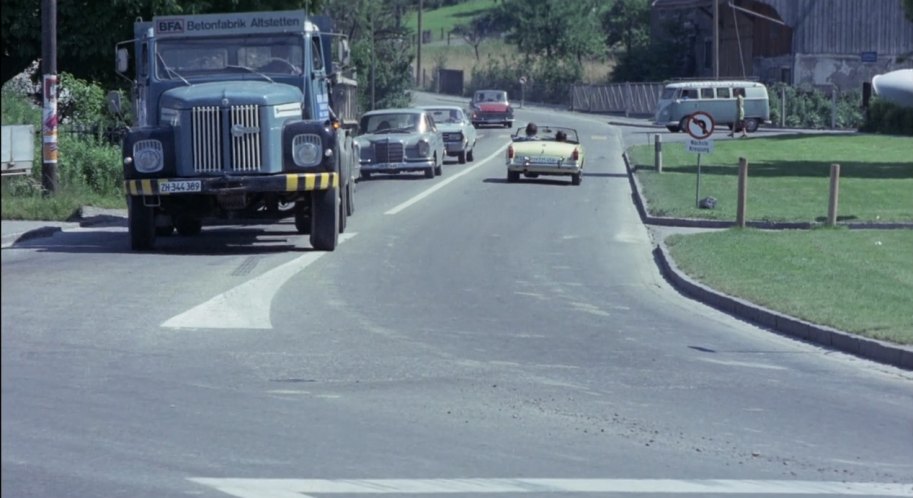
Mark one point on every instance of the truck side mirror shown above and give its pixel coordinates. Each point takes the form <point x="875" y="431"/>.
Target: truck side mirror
<point x="345" y="54"/>
<point x="115" y="106"/>
<point x="121" y="60"/>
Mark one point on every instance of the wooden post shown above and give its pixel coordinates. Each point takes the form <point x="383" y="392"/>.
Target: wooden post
<point x="658" y="153"/>
<point x="743" y="192"/>
<point x="834" y="194"/>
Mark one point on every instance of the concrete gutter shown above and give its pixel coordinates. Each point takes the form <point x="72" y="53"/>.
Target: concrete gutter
<point x="871" y="349"/>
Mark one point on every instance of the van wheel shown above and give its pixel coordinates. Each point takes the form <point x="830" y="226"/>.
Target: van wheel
<point x="751" y="125"/>
<point x="683" y="124"/>
<point x="673" y="128"/>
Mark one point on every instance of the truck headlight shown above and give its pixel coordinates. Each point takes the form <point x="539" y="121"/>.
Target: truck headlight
<point x="424" y="149"/>
<point x="306" y="150"/>
<point x="148" y="156"/>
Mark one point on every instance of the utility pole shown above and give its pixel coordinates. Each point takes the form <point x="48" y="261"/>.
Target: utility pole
<point x="716" y="39"/>
<point x="418" y="52"/>
<point x="49" y="177"/>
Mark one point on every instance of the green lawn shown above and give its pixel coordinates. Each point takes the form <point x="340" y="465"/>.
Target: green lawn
<point x="858" y="281"/>
<point x="788" y="178"/>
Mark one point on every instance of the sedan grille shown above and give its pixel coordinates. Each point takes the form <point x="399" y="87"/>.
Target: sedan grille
<point x="242" y="135"/>
<point x="388" y="152"/>
<point x="453" y="137"/>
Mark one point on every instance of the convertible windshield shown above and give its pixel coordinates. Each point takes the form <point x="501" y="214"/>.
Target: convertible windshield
<point x="267" y="55"/>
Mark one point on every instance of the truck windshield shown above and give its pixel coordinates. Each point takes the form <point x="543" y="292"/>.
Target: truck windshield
<point x="202" y="58"/>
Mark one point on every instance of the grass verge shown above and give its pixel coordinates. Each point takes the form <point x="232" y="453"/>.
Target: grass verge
<point x="788" y="178"/>
<point x="61" y="206"/>
<point x="856" y="281"/>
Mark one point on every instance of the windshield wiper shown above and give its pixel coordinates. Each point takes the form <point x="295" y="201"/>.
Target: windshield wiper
<point x="169" y="70"/>
<point x="250" y="70"/>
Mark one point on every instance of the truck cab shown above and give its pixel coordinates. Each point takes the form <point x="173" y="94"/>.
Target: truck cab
<point x="238" y="116"/>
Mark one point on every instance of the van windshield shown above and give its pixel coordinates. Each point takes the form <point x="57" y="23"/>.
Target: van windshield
<point x="668" y="94"/>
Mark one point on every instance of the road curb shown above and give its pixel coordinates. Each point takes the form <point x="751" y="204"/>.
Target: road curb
<point x="36" y="233"/>
<point x="871" y="349"/>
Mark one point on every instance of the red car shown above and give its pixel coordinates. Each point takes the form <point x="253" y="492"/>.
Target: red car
<point x="491" y="107"/>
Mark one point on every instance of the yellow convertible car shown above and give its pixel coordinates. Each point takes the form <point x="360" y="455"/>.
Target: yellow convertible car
<point x="552" y="151"/>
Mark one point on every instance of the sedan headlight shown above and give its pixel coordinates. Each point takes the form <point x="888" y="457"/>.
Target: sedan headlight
<point x="424" y="149"/>
<point x="306" y="150"/>
<point x="148" y="156"/>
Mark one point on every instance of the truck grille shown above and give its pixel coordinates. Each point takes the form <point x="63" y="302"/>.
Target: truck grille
<point x="242" y="135"/>
<point x="387" y="152"/>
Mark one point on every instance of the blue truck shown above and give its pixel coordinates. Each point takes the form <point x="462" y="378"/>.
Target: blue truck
<point x="238" y="116"/>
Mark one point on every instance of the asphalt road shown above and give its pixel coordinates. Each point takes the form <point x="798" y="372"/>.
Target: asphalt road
<point x="468" y="337"/>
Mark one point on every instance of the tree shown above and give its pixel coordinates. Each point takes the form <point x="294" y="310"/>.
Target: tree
<point x="380" y="43"/>
<point x="552" y="28"/>
<point x="476" y="31"/>
<point x="908" y="9"/>
<point x="627" y="23"/>
<point x="88" y="31"/>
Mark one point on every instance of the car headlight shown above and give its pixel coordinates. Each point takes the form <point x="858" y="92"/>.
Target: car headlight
<point x="148" y="156"/>
<point x="306" y="150"/>
<point x="424" y="149"/>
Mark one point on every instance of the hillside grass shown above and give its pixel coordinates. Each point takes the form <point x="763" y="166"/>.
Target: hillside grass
<point x="445" y="18"/>
<point x="452" y="52"/>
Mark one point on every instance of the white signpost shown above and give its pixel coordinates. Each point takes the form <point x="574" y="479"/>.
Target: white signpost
<point x="522" y="90"/>
<point x="700" y="126"/>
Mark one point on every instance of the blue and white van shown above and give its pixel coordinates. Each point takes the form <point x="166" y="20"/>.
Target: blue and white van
<point x="717" y="98"/>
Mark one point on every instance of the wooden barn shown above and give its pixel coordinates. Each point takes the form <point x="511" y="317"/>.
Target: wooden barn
<point x="840" y="43"/>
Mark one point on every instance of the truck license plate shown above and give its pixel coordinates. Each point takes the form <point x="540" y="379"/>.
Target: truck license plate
<point x="179" y="187"/>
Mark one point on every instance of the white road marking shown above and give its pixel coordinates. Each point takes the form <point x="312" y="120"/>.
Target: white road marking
<point x="306" y="488"/>
<point x="747" y="364"/>
<point x="438" y="186"/>
<point x="246" y="306"/>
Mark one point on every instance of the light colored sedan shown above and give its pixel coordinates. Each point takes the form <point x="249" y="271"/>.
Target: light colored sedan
<point x="400" y="140"/>
<point x="458" y="131"/>
<point x="554" y="150"/>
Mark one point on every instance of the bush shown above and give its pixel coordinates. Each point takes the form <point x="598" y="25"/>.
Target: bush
<point x="884" y="117"/>
<point x="86" y="162"/>
<point x="808" y="107"/>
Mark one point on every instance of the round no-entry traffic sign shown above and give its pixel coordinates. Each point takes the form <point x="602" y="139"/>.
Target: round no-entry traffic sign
<point x="700" y="125"/>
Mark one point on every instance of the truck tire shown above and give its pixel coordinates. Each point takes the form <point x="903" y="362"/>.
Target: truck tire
<point x="429" y="173"/>
<point x="513" y="176"/>
<point x="325" y="219"/>
<point x="141" y="224"/>
<point x="343" y="209"/>
<point x="350" y="199"/>
<point x="302" y="218"/>
<point x="461" y="157"/>
<point x="575" y="179"/>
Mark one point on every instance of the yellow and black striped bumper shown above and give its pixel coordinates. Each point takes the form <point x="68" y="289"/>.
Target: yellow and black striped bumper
<point x="290" y="182"/>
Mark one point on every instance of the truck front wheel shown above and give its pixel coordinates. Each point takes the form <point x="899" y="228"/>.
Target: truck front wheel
<point x="325" y="219"/>
<point x="141" y="224"/>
